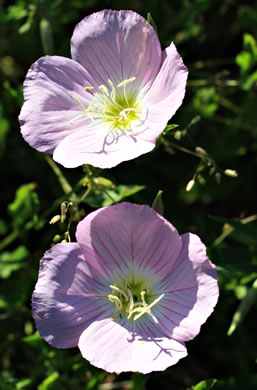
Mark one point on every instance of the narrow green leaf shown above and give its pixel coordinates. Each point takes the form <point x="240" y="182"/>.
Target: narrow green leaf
<point x="158" y="205"/>
<point x="169" y="128"/>
<point x="25" y="205"/>
<point x="33" y="340"/>
<point x="151" y="21"/>
<point x="50" y="382"/>
<point x="12" y="261"/>
<point x="107" y="197"/>
<point x="242" y="232"/>
<point x="243" y="308"/>
<point x="204" y="385"/>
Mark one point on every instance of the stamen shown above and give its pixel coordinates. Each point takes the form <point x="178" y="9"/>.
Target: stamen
<point x="155" y="301"/>
<point x="88" y="88"/>
<point x="115" y="300"/>
<point x="104" y="89"/>
<point x="116" y="109"/>
<point x="147" y="309"/>
<point x="125" y="82"/>
<point x="131" y="301"/>
<point x="77" y="100"/>
<point x="120" y="291"/>
<point x="113" y="93"/>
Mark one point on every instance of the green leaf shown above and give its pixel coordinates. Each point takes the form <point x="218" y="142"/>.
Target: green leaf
<point x="107" y="197"/>
<point x="3" y="227"/>
<point x="232" y="258"/>
<point x="169" y="128"/>
<point x="237" y="383"/>
<point x="12" y="261"/>
<point x="158" y="205"/>
<point x="242" y="232"/>
<point x="51" y="382"/>
<point x="17" y="12"/>
<point x="28" y="24"/>
<point x="243" y="308"/>
<point x="4" y="128"/>
<point x="204" y="385"/>
<point x="25" y="205"/>
<point x="249" y="81"/>
<point x="23" y="383"/>
<point x="33" y="340"/>
<point x="138" y="381"/>
<point x="250" y="44"/>
<point x="206" y="101"/>
<point x="244" y="61"/>
<point x="151" y="21"/>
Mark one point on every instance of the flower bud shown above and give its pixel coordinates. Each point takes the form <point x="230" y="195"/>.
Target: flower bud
<point x="190" y="185"/>
<point x="202" y="153"/>
<point x="103" y="182"/>
<point x="231" y="172"/>
<point x="177" y="135"/>
<point x="57" y="238"/>
<point x="55" y="219"/>
<point x="218" y="177"/>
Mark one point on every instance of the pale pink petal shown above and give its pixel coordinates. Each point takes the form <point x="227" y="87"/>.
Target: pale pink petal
<point x="128" y="236"/>
<point x="117" y="45"/>
<point x="191" y="291"/>
<point x="166" y="93"/>
<point x="111" y="346"/>
<point x="97" y="147"/>
<point x="53" y="91"/>
<point x="65" y="300"/>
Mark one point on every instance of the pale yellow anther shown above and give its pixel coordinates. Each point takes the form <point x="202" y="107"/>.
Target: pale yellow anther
<point x="77" y="100"/>
<point x="115" y="300"/>
<point x="147" y="309"/>
<point x="119" y="110"/>
<point x="131" y="301"/>
<point x="125" y="82"/>
<point x="119" y="290"/>
<point x="143" y="298"/>
<point x="104" y="89"/>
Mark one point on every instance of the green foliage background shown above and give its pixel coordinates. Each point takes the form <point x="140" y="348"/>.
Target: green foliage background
<point x="217" y="40"/>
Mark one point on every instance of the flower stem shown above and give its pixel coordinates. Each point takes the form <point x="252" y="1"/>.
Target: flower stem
<point x="62" y="180"/>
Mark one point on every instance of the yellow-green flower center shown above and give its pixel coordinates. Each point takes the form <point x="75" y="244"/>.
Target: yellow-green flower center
<point x="133" y="301"/>
<point x="114" y="106"/>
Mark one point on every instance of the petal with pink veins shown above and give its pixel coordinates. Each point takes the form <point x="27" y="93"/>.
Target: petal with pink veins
<point x="65" y="301"/>
<point x="117" y="45"/>
<point x="97" y="147"/>
<point x="190" y="291"/>
<point x="123" y="349"/>
<point x="54" y="97"/>
<point x="167" y="92"/>
<point x="145" y="241"/>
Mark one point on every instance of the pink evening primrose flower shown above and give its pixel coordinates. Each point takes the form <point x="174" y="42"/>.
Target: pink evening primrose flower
<point x="129" y="293"/>
<point x="108" y="103"/>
